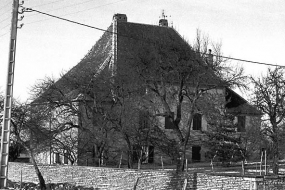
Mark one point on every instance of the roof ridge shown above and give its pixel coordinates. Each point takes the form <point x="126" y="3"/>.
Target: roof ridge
<point x="147" y="25"/>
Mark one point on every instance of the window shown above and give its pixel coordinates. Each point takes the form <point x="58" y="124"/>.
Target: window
<point x="241" y="124"/>
<point x="168" y="124"/>
<point x="150" y="154"/>
<point x="65" y="158"/>
<point x="197" y="122"/>
<point x="196" y="153"/>
<point x="143" y="119"/>
<point x="57" y="158"/>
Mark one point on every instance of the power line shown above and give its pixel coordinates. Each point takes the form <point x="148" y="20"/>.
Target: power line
<point x="4" y="20"/>
<point x="40" y="5"/>
<point x="94" y="7"/>
<point x="66" y="6"/>
<point x="89" y="26"/>
<point x="256" y="62"/>
<point x="5" y="5"/>
<point x="76" y="4"/>
<point x="72" y="5"/>
<point x="76" y="11"/>
<point x="4" y="34"/>
<point x="29" y="9"/>
<point x="4" y="13"/>
<point x="5" y="26"/>
<point x="96" y="28"/>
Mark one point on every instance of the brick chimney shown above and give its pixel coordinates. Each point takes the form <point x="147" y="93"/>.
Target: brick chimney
<point x="117" y="18"/>
<point x="210" y="59"/>
<point x="163" y="21"/>
<point x="120" y="17"/>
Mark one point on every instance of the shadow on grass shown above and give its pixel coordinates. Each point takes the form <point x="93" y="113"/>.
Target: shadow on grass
<point x="50" y="186"/>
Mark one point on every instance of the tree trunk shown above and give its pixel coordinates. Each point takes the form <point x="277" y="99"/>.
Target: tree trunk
<point x="275" y="166"/>
<point x="183" y="146"/>
<point x="130" y="159"/>
<point x="39" y="174"/>
<point x="130" y="152"/>
<point x="184" y="141"/>
<point x="180" y="160"/>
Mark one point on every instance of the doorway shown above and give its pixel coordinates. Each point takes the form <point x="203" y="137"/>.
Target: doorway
<point x="196" y="153"/>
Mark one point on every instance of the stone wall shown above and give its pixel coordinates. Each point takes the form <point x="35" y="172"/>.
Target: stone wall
<point x="101" y="178"/>
<point x="272" y="183"/>
<point x="113" y="178"/>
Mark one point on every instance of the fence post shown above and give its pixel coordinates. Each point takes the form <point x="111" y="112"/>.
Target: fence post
<point x="242" y="167"/>
<point x="121" y="160"/>
<point x="21" y="179"/>
<point x="261" y="163"/>
<point x="186" y="165"/>
<point x="265" y="160"/>
<point x="185" y="184"/>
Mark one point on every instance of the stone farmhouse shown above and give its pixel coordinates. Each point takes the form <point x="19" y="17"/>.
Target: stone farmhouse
<point x="119" y="46"/>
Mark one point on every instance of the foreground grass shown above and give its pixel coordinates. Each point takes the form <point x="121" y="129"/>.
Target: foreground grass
<point x="50" y="186"/>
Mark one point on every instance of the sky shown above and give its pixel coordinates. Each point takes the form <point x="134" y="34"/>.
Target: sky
<point x="46" y="47"/>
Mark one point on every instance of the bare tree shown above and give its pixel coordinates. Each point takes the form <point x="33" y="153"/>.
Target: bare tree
<point x="27" y="129"/>
<point x="128" y="118"/>
<point x="177" y="75"/>
<point x="269" y="94"/>
<point x="163" y="78"/>
<point x="98" y="107"/>
<point x="66" y="144"/>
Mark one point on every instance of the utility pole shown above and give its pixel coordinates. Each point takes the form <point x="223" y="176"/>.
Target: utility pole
<point x="5" y="131"/>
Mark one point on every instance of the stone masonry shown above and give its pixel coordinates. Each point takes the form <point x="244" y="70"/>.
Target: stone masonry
<point x="117" y="179"/>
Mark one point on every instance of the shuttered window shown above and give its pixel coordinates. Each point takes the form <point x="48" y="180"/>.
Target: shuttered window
<point x="168" y="123"/>
<point x="197" y="122"/>
<point x="144" y="119"/>
<point x="241" y="124"/>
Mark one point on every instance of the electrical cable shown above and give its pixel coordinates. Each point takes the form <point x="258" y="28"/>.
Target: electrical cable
<point x="66" y="6"/>
<point x="72" y="5"/>
<point x="4" y="20"/>
<point x="5" y="5"/>
<point x="76" y="11"/>
<point x="96" y="28"/>
<point x="3" y="13"/>
<point x="89" y="26"/>
<point x="4" y="34"/>
<point x="29" y="9"/>
<point x="94" y="7"/>
<point x="40" y="5"/>
<point x="5" y="26"/>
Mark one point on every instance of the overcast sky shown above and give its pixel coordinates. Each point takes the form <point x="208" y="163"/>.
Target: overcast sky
<point x="248" y="29"/>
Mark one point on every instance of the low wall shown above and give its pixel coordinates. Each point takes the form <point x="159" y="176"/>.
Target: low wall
<point x="272" y="183"/>
<point x="110" y="178"/>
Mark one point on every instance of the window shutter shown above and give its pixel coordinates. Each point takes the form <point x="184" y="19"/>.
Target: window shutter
<point x="197" y="122"/>
<point x="57" y="158"/>
<point x="150" y="154"/>
<point x="241" y="124"/>
<point x="65" y="158"/>
<point x="168" y="123"/>
<point x="143" y="119"/>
